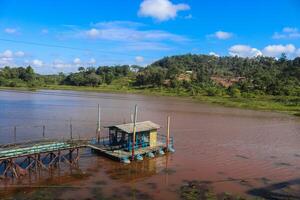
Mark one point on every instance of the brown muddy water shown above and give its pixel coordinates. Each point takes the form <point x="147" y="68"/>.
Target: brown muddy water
<point x="249" y="153"/>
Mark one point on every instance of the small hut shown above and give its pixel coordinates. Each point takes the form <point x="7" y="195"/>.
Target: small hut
<point x="120" y="136"/>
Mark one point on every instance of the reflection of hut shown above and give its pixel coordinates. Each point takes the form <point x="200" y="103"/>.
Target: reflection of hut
<point x="120" y="136"/>
<point x="137" y="170"/>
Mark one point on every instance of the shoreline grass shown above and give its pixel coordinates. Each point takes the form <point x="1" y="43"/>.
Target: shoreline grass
<point x="282" y="104"/>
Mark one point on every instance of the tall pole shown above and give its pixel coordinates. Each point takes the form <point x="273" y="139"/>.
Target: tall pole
<point x="134" y="131"/>
<point x="168" y="133"/>
<point x="71" y="129"/>
<point x="44" y="129"/>
<point x="98" y="125"/>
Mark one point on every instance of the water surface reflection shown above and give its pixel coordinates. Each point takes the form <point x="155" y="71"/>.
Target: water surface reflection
<point x="233" y="150"/>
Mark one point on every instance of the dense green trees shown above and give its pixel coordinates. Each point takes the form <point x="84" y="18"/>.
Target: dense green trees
<point x="94" y="77"/>
<point x="154" y="76"/>
<point x="194" y="74"/>
<point x="260" y="75"/>
<point x="20" y="76"/>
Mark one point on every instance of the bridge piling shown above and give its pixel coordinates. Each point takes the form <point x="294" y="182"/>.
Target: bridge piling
<point x="17" y="160"/>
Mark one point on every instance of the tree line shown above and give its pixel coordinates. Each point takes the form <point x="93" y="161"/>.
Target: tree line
<point x="26" y="77"/>
<point x="195" y="74"/>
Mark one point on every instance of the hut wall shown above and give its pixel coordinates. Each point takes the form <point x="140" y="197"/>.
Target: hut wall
<point x="153" y="138"/>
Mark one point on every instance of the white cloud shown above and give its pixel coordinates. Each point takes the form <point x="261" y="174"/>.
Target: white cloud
<point x="19" y="54"/>
<point x="271" y="51"/>
<point x="244" y="51"/>
<point x="126" y="34"/>
<point x="116" y="23"/>
<point x="6" y="54"/>
<point x="6" y="57"/>
<point x="214" y="54"/>
<point x="10" y="30"/>
<point x="37" y="63"/>
<point x="93" y="33"/>
<point x="221" y="35"/>
<point x="277" y="50"/>
<point x="92" y="61"/>
<point x="139" y="59"/>
<point x="161" y="10"/>
<point x="287" y="33"/>
<point x="5" y="61"/>
<point x="57" y="63"/>
<point x="77" y="61"/>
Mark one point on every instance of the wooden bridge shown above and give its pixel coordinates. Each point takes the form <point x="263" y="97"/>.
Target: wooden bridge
<point x="125" y="142"/>
<point x="19" y="158"/>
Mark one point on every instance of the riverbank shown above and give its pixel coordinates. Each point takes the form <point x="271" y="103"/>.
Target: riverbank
<point x="284" y="104"/>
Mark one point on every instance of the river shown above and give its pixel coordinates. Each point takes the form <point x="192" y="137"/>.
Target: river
<point x="234" y="150"/>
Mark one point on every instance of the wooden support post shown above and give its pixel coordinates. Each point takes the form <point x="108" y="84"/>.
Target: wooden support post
<point x="134" y="131"/>
<point x="168" y="133"/>
<point x="53" y="160"/>
<point x="71" y="130"/>
<point x="77" y="157"/>
<point x="44" y="130"/>
<point x="6" y="168"/>
<point x="39" y="162"/>
<point x="59" y="158"/>
<point x="13" y="168"/>
<point x="98" y="125"/>
<point x="36" y="163"/>
<point x="28" y="163"/>
<point x="70" y="155"/>
<point x="15" y="134"/>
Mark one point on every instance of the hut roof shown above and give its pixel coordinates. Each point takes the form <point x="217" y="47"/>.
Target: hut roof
<point x="140" y="126"/>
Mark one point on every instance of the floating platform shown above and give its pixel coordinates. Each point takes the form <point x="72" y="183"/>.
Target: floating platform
<point x="125" y="143"/>
<point x="123" y="155"/>
<point x="140" y="139"/>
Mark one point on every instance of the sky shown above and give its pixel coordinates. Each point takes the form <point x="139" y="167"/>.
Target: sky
<point x="60" y="35"/>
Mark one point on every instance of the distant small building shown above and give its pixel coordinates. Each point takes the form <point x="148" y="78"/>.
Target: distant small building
<point x="121" y="136"/>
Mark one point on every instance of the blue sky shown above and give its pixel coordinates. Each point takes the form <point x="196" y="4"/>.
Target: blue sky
<point x="54" y="36"/>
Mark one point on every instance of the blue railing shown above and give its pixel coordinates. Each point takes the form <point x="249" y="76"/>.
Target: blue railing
<point x="161" y="140"/>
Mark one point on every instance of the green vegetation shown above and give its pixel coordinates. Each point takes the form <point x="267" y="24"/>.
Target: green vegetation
<point x="262" y="83"/>
<point x="196" y="190"/>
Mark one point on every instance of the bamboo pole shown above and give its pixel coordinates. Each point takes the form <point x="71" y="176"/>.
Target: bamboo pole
<point x="44" y="129"/>
<point x="98" y="124"/>
<point x="134" y="131"/>
<point x="71" y="129"/>
<point x="168" y="133"/>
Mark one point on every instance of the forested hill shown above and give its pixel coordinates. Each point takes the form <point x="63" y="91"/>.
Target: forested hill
<point x="257" y="75"/>
<point x="193" y="74"/>
<point x="232" y="66"/>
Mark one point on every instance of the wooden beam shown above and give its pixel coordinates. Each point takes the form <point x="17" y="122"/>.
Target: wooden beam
<point x="168" y="133"/>
<point x="134" y="130"/>
<point x="53" y="160"/>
